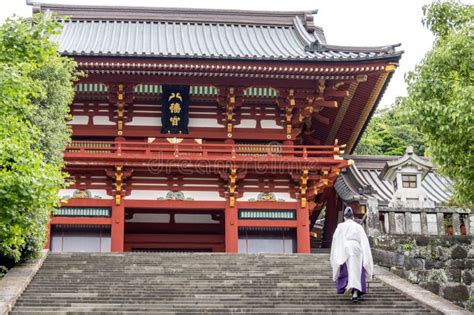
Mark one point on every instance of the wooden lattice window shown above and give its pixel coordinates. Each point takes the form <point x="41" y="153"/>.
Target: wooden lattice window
<point x="409" y="181"/>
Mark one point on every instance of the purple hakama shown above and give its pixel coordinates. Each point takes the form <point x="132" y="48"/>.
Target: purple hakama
<point x="343" y="278"/>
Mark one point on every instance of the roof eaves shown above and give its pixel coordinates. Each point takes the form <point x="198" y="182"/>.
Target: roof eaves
<point x="379" y="98"/>
<point x="224" y="57"/>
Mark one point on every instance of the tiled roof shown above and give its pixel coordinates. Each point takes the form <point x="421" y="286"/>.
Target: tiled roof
<point x="362" y="181"/>
<point x="212" y="34"/>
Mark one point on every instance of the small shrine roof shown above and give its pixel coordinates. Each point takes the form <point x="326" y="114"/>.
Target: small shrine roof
<point x="201" y="33"/>
<point x="363" y="180"/>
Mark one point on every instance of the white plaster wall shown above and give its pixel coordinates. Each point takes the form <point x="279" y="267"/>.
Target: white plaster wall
<point x="155" y="194"/>
<point x="247" y="123"/>
<point x="146" y="194"/>
<point x="203" y="195"/>
<point x="79" y="120"/>
<point x="145" y="121"/>
<point x="269" y="124"/>
<point x="203" y="122"/>
<point x="102" y="121"/>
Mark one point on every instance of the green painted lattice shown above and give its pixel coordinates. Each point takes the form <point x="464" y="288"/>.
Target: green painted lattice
<point x="90" y="88"/>
<point x="267" y="215"/>
<point x="82" y="212"/>
<point x="260" y="92"/>
<point x="194" y="90"/>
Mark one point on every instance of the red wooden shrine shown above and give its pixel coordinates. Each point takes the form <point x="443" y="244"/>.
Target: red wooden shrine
<point x="272" y="108"/>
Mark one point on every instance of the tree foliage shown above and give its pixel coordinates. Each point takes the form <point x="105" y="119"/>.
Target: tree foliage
<point x="35" y="93"/>
<point x="390" y="132"/>
<point x="441" y="94"/>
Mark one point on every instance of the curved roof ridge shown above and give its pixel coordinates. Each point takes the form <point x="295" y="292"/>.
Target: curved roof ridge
<point x="308" y="41"/>
<point x="231" y="16"/>
<point x="385" y="48"/>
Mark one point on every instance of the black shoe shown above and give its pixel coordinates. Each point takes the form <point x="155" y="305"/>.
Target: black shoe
<point x="355" y="299"/>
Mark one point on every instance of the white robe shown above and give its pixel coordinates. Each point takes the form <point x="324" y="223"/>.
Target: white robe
<point x="350" y="245"/>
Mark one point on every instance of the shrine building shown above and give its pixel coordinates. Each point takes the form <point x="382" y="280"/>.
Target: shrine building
<point x="208" y="130"/>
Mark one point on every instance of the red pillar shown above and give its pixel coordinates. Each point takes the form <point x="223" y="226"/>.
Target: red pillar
<point x="118" y="228"/>
<point x="302" y="230"/>
<point x="330" y="223"/>
<point x="231" y="230"/>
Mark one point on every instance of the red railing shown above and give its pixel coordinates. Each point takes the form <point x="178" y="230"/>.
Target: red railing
<point x="202" y="151"/>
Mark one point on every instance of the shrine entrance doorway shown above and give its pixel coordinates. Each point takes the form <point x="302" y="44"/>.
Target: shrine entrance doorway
<point x="174" y="230"/>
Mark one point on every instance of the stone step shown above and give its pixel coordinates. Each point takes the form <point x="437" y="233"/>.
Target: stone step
<point x="215" y="307"/>
<point x="170" y="283"/>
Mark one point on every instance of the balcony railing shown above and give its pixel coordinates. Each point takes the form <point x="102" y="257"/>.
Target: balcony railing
<point x="168" y="152"/>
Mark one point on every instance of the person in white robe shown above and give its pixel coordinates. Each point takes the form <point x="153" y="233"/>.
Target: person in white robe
<point x="351" y="257"/>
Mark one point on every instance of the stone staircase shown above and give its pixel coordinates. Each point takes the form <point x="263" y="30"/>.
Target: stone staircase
<point x="197" y="283"/>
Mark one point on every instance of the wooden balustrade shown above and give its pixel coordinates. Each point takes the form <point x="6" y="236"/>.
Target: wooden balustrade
<point x="294" y="157"/>
<point x="186" y="149"/>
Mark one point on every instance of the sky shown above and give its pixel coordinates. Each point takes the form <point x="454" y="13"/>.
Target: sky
<point x="345" y="22"/>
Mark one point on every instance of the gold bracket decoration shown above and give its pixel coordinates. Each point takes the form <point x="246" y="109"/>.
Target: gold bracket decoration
<point x="304" y="187"/>
<point x="229" y="111"/>
<point x="118" y="184"/>
<point x="391" y="67"/>
<point x="120" y="108"/>
<point x="361" y="78"/>
<point x="175" y="140"/>
<point x="231" y="177"/>
<point x="322" y="87"/>
<point x="337" y="150"/>
<point x="290" y="104"/>
<point x="336" y="86"/>
<point x="118" y="175"/>
<point x="232" y="186"/>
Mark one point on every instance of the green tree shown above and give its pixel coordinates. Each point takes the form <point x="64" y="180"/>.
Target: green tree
<point x="389" y="133"/>
<point x="35" y="93"/>
<point x="441" y="94"/>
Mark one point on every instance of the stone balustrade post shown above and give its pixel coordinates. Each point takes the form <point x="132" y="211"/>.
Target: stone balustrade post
<point x="440" y="222"/>
<point x="468" y="225"/>
<point x="456" y="224"/>
<point x="424" y="223"/>
<point x="391" y="223"/>
<point x="373" y="220"/>
<point x="408" y="223"/>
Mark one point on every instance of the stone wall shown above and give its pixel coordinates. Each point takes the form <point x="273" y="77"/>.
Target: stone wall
<point x="440" y="264"/>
